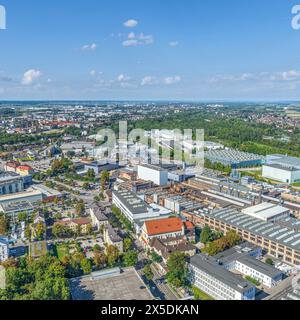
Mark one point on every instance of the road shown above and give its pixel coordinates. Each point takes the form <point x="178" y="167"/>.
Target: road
<point x="281" y="290"/>
<point x="159" y="289"/>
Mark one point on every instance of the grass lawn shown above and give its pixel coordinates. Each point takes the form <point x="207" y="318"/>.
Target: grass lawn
<point x="62" y="250"/>
<point x="253" y="281"/>
<point x="200" y="295"/>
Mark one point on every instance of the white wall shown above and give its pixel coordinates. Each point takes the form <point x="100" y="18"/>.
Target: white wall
<point x="158" y="177"/>
<point x="278" y="174"/>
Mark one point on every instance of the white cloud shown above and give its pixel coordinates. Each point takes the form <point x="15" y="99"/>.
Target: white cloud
<point x="123" y="78"/>
<point x="138" y="40"/>
<point x="131" y="23"/>
<point x="290" y="75"/>
<point x="173" y="43"/>
<point x="148" y="81"/>
<point x="30" y="77"/>
<point x="172" y="80"/>
<point x="93" y="73"/>
<point x="131" y="35"/>
<point x="89" y="47"/>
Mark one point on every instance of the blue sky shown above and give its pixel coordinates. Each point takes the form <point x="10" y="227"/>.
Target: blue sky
<point x="150" y="49"/>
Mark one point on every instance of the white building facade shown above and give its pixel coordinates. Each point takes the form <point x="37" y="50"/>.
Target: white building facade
<point x="155" y="174"/>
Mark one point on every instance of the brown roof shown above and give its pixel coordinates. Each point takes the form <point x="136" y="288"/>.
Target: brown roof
<point x="162" y="226"/>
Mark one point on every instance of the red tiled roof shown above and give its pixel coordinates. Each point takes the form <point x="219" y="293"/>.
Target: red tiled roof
<point x="189" y="225"/>
<point x="25" y="168"/>
<point x="162" y="226"/>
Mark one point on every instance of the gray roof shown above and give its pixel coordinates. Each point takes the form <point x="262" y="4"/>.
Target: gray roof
<point x="114" y="237"/>
<point x="259" y="266"/>
<point x="133" y="203"/>
<point x="286" y="161"/>
<point x="99" y="214"/>
<point x="283" y="231"/>
<point x="210" y="266"/>
<point x="282" y="167"/>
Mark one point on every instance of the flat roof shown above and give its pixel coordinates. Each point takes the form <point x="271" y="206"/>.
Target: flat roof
<point x="126" y="285"/>
<point x="265" y="210"/>
<point x="284" y="160"/>
<point x="259" y="266"/>
<point x="282" y="167"/>
<point x="17" y="206"/>
<point x="20" y="195"/>
<point x="132" y="202"/>
<point x="152" y="167"/>
<point x="209" y="265"/>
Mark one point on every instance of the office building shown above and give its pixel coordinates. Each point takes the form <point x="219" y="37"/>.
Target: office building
<point x="135" y="209"/>
<point x="4" y="249"/>
<point x="207" y="275"/>
<point x="244" y="259"/>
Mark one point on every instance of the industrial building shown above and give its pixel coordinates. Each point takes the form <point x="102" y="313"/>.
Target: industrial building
<point x="280" y="239"/>
<point x="268" y="212"/>
<point x="13" y="209"/>
<point x="100" y="166"/>
<point x="207" y="275"/>
<point x="179" y="176"/>
<point x="10" y="182"/>
<point x="282" y="168"/>
<point x="156" y="174"/>
<point x="28" y="195"/>
<point x="234" y="158"/>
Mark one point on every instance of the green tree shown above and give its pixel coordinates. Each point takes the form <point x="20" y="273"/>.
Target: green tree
<point x="104" y="178"/>
<point x="130" y="258"/>
<point x="269" y="261"/>
<point x="40" y="231"/>
<point x="86" y="266"/>
<point x="148" y="272"/>
<point x="90" y="174"/>
<point x="127" y="244"/>
<point x="177" y="270"/>
<point x="3" y="224"/>
<point x="112" y="254"/>
<point x="80" y="208"/>
<point x="22" y="216"/>
<point x="156" y="257"/>
<point x="206" y="235"/>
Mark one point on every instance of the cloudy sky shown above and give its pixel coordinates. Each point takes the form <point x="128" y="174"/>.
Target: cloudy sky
<point x="150" y="49"/>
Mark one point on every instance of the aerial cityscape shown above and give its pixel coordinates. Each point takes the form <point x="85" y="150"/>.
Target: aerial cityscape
<point x="127" y="178"/>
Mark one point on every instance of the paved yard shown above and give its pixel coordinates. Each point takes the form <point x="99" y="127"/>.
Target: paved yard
<point x="115" y="286"/>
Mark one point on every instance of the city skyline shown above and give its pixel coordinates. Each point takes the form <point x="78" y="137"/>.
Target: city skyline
<point x="116" y="50"/>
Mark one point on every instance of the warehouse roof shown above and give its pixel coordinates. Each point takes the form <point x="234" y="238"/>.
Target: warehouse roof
<point x="286" y="235"/>
<point x="265" y="211"/>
